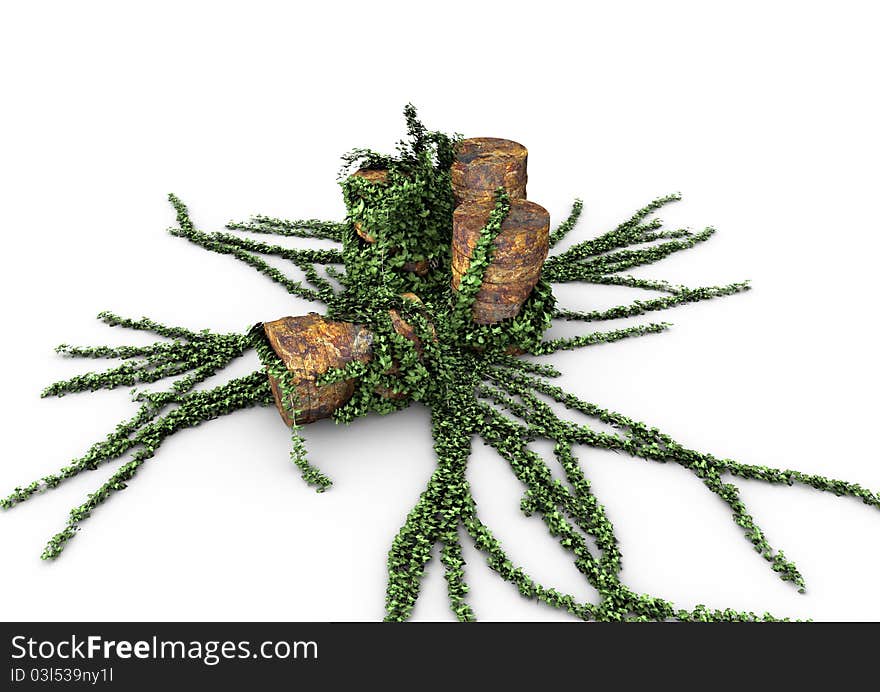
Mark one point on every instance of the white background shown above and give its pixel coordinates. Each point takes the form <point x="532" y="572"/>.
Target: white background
<point x="764" y="114"/>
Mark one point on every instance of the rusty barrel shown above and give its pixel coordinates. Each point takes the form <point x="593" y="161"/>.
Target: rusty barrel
<point x="309" y="345"/>
<point x="518" y="255"/>
<point x="406" y="330"/>
<point x="483" y="164"/>
<point x="379" y="178"/>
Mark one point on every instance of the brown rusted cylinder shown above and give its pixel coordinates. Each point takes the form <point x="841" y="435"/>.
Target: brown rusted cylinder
<point x="483" y="164"/>
<point x="405" y="329"/>
<point x="380" y="177"/>
<point x="309" y="345"/>
<point x="518" y="255"/>
<point x="421" y="267"/>
<point x="375" y="177"/>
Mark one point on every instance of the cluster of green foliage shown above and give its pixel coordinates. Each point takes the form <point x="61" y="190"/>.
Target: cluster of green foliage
<point x="410" y="215"/>
<point x="466" y="374"/>
<point x="195" y="355"/>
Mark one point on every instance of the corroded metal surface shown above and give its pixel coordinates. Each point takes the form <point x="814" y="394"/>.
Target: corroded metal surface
<point x="420" y="267"/>
<point x="406" y="330"/>
<point x="518" y="255"/>
<point x="483" y="164"/>
<point x="359" y="229"/>
<point x="309" y="345"/>
<point x="380" y="177"/>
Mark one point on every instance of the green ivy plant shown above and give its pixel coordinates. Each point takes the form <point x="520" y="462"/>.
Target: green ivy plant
<point x="465" y="374"/>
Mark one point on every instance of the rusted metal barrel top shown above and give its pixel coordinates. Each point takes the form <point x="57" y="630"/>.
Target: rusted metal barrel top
<point x="376" y="177"/>
<point x="483" y="164"/>
<point x="379" y="177"/>
<point x="309" y="345"/>
<point x="518" y="255"/>
<point x="407" y="331"/>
